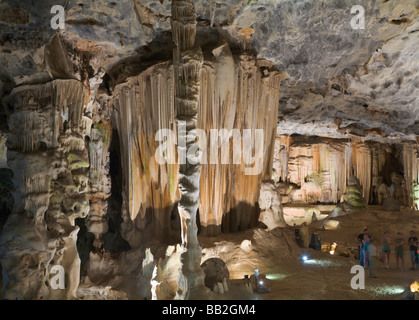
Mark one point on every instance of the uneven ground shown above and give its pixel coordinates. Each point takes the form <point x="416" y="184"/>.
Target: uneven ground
<point x="324" y="276"/>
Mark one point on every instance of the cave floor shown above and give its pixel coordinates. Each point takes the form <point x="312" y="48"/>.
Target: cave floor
<point x="325" y="276"/>
<point x="322" y="277"/>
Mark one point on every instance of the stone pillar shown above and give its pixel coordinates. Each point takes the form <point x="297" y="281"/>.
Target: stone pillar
<point x="187" y="62"/>
<point x="100" y="182"/>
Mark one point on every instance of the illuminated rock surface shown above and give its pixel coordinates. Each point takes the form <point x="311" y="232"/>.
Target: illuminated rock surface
<point x="81" y="185"/>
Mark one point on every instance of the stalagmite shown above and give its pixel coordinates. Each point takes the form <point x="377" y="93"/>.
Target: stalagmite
<point x="270" y="205"/>
<point x="187" y="62"/>
<point x="99" y="179"/>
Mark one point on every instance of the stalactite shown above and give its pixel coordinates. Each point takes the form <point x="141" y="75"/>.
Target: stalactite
<point x="142" y="107"/>
<point x="317" y="166"/>
<point x="362" y="163"/>
<point x="235" y="95"/>
<point x="411" y="173"/>
<point x="145" y="104"/>
<point x="313" y="162"/>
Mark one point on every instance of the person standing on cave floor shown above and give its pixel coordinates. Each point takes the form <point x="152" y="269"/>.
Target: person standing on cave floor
<point x="413" y="248"/>
<point x="361" y="252"/>
<point x="386" y="249"/>
<point x="366" y="242"/>
<point x="399" y="250"/>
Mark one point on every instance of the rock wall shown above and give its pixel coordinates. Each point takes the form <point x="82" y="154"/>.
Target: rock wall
<point x="237" y="92"/>
<point x="48" y="155"/>
<point x="317" y="166"/>
<point x="318" y="169"/>
<point x="142" y="107"/>
<point x="411" y="173"/>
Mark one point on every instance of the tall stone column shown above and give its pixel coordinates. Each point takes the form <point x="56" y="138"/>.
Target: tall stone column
<point x="99" y="180"/>
<point x="187" y="62"/>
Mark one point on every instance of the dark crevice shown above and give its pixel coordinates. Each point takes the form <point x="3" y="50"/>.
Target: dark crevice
<point x="113" y="241"/>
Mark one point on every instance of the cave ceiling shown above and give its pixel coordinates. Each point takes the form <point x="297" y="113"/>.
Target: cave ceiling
<point x="339" y="82"/>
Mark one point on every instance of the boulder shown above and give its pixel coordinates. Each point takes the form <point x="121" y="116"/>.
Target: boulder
<point x="216" y="272"/>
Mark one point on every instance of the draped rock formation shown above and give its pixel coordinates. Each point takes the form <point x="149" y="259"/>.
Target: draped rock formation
<point x="245" y="97"/>
<point x="48" y="155"/>
<point x="318" y="169"/>
<point x="411" y="173"/>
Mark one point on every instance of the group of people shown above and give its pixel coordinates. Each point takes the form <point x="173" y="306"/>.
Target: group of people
<point x="369" y="255"/>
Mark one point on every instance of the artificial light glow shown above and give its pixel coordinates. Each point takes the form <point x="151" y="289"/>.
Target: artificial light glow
<point x="275" y="276"/>
<point x="414" y="287"/>
<point x="388" y="290"/>
<point x="305" y="258"/>
<point x="333" y="248"/>
<point x="261" y="282"/>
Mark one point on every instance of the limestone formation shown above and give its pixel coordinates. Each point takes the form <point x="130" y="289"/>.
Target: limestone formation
<point x="352" y="199"/>
<point x="318" y="170"/>
<point x="216" y="275"/>
<point x="47" y="153"/>
<point x="187" y="63"/>
<point x="141" y="126"/>
<point x="269" y="202"/>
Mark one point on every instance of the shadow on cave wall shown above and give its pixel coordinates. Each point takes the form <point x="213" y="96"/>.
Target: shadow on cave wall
<point x="6" y="201"/>
<point x="241" y="218"/>
<point x="113" y="241"/>
<point x="6" y="197"/>
<point x="393" y="164"/>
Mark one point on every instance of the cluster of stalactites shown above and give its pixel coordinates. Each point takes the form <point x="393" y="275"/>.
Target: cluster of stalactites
<point x="183" y="24"/>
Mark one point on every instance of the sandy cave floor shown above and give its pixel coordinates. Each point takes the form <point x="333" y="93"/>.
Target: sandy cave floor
<point x="322" y="277"/>
<point x="326" y="276"/>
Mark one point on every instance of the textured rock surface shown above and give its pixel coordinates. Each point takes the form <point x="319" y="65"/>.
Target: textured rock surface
<point x="47" y="153"/>
<point x="365" y="79"/>
<point x="216" y="272"/>
<point x="81" y="107"/>
<point x="318" y="169"/>
<point x="227" y="197"/>
<point x="270" y="206"/>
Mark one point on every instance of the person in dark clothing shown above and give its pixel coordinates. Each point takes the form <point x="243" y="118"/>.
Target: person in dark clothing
<point x="361" y="252"/>
<point x="413" y="248"/>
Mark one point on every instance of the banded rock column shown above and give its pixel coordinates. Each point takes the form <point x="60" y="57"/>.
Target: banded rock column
<point x="187" y="63"/>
